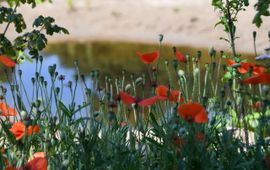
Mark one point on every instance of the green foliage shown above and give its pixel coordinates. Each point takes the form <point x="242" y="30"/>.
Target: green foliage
<point x="34" y="40"/>
<point x="262" y="8"/>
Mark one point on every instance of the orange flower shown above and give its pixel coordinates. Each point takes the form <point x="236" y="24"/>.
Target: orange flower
<point x="163" y="91"/>
<point x="193" y="112"/>
<point x="6" y="110"/>
<point x="180" y="56"/>
<point x="263" y="78"/>
<point x="7" y="62"/>
<point x="18" y="129"/>
<point x="244" y="67"/>
<point x="151" y="100"/>
<point x="149" y="57"/>
<point x="30" y="130"/>
<point x="39" y="162"/>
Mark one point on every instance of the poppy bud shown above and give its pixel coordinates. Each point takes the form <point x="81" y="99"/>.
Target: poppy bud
<point x="38" y="103"/>
<point x="153" y="84"/>
<point x="128" y="87"/>
<point x="2" y="97"/>
<point x="254" y="35"/>
<point x="51" y="70"/>
<point x="70" y="84"/>
<point x="181" y="73"/>
<point x="212" y="52"/>
<point x="41" y="59"/>
<point x="182" y="132"/>
<point x="33" y="80"/>
<point x="56" y="74"/>
<point x="175" y="64"/>
<point x="228" y="103"/>
<point x="92" y="74"/>
<point x="37" y="74"/>
<point x="76" y="77"/>
<point x="61" y="77"/>
<point x="222" y="54"/>
<point x="161" y="37"/>
<point x="174" y="50"/>
<point x="82" y="77"/>
<point x="57" y="90"/>
<point x="88" y="91"/>
<point x="139" y="81"/>
<point x="23" y="114"/>
<point x="20" y="72"/>
<point x="199" y="54"/>
<point x="96" y="114"/>
<point x="41" y="78"/>
<point x="154" y="69"/>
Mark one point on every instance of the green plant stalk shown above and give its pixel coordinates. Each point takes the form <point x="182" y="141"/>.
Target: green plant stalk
<point x="231" y="29"/>
<point x="218" y="75"/>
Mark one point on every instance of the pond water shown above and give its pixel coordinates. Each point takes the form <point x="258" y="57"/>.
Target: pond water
<point x="108" y="57"/>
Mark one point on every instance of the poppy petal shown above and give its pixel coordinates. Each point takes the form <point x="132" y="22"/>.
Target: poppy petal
<point x="180" y="56"/>
<point x="37" y="164"/>
<point x="6" y="110"/>
<point x="230" y="62"/>
<point x="7" y="62"/>
<point x="150" y="101"/>
<point x="263" y="78"/>
<point x="149" y="57"/>
<point x="201" y="117"/>
<point x="194" y="112"/>
<point x="126" y="98"/>
<point x="162" y="91"/>
<point x="18" y="129"/>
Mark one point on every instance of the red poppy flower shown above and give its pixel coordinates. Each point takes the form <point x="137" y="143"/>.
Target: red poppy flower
<point x="244" y="67"/>
<point x="39" y="162"/>
<point x="193" y="112"/>
<point x="7" y="62"/>
<point x="18" y="130"/>
<point x="11" y="168"/>
<point x="149" y="57"/>
<point x="6" y="110"/>
<point x="31" y="130"/>
<point x="150" y="101"/>
<point x="263" y="78"/>
<point x="128" y="99"/>
<point x="163" y="91"/>
<point x="180" y="56"/>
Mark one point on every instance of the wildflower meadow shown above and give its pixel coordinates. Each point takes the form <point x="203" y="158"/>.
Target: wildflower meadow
<point x="203" y="116"/>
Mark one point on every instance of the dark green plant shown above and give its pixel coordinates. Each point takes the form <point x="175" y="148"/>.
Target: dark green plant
<point x="34" y="40"/>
